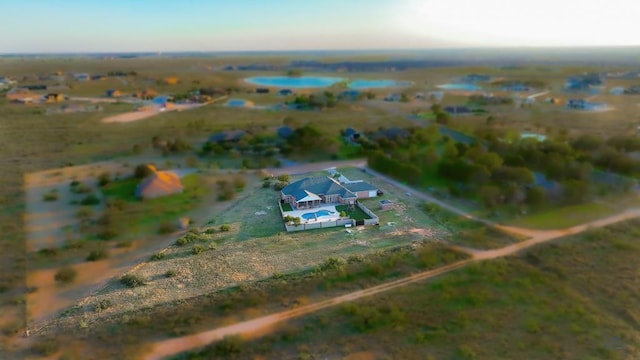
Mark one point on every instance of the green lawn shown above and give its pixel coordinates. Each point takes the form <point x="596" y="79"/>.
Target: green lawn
<point x="565" y="217"/>
<point x="143" y="217"/>
<point x="286" y="207"/>
<point x="356" y="214"/>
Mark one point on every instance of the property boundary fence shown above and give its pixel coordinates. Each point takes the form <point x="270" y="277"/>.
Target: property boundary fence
<point x="328" y="224"/>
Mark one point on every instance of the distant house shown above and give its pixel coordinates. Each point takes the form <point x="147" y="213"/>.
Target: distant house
<point x="161" y="101"/>
<point x="284" y="132"/>
<point x="436" y="95"/>
<point x="21" y="95"/>
<point x="457" y="110"/>
<point x="99" y="77"/>
<point x="113" y="93"/>
<point x="351" y="134"/>
<point x="53" y="97"/>
<point x="6" y="82"/>
<point x="632" y="90"/>
<point x="81" y="77"/>
<point x="552" y="100"/>
<point x="419" y="96"/>
<point x="474" y="78"/>
<point x="285" y="92"/>
<point x="172" y="80"/>
<point x="317" y="191"/>
<point x="540" y="180"/>
<point x="393" y="97"/>
<point x="392" y="133"/>
<point x="616" y="91"/>
<point x="581" y="104"/>
<point x="160" y="183"/>
<point x="36" y="87"/>
<point x="350" y="95"/>
<point x="586" y="82"/>
<point x="227" y="136"/>
<point x="147" y="94"/>
<point x="262" y="90"/>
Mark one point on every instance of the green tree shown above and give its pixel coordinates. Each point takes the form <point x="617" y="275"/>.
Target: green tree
<point x="536" y="196"/>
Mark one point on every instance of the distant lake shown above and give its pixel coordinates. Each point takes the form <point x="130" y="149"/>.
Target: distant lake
<point x="367" y="84"/>
<point x="465" y="87"/>
<point x="294" y="82"/>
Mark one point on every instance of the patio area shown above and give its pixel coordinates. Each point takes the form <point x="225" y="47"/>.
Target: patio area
<point x="317" y="214"/>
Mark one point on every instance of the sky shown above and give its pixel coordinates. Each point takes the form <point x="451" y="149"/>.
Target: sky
<point x="38" y="26"/>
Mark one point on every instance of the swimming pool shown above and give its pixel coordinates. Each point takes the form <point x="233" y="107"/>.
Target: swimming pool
<point x="369" y="84"/>
<point x="239" y="103"/>
<point x="465" y="87"/>
<point x="294" y="82"/>
<point x="317" y="214"/>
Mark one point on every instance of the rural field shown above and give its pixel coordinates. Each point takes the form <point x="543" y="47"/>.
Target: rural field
<point x="138" y="278"/>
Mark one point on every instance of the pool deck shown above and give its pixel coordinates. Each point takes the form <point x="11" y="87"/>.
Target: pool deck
<point x="299" y="213"/>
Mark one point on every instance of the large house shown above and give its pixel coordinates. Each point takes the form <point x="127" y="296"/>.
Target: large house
<point x="316" y="191"/>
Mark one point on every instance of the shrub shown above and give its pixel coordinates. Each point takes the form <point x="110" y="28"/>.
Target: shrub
<point x="124" y="244"/>
<point x="279" y="185"/>
<point x="65" y="275"/>
<point x="84" y="213"/>
<point x="285" y="178"/>
<point x="158" y="256"/>
<point x="142" y="171"/>
<point x="74" y="183"/>
<point x="197" y="249"/>
<point x="170" y="273"/>
<point x="102" y="305"/>
<point x="90" y="200"/>
<point x="227" y="347"/>
<point x="132" y="280"/>
<point x="96" y="255"/>
<point x="225" y="227"/>
<point x="266" y="184"/>
<point x="292" y="219"/>
<point x="45" y="347"/>
<point x="239" y="183"/>
<point x="104" y="179"/>
<point x="108" y="233"/>
<point x="166" y="227"/>
<point x="210" y="231"/>
<point x="50" y="196"/>
<point x="227" y="190"/>
<point x="331" y="263"/>
<point x="48" y="252"/>
<point x="343" y="214"/>
<point x="81" y="189"/>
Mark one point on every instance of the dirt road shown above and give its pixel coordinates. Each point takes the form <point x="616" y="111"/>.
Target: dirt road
<point x="311" y="167"/>
<point x="263" y="325"/>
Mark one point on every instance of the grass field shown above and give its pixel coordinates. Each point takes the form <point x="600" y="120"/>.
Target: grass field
<point x="565" y="217"/>
<point x="554" y="301"/>
<point x="33" y="141"/>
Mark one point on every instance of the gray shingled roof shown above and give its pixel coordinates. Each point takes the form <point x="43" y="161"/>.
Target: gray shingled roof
<point x="359" y="186"/>
<point x="322" y="185"/>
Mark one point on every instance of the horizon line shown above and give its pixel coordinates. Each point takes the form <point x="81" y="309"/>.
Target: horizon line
<point x="524" y="47"/>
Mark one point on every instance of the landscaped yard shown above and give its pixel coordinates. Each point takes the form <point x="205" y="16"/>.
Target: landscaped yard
<point x="356" y="213"/>
<point x="257" y="246"/>
<point x="565" y="217"/>
<point x="286" y="207"/>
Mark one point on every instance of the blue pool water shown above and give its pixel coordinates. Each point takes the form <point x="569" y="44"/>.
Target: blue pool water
<point x="238" y="103"/>
<point x="294" y="82"/>
<point x="466" y="87"/>
<point x="318" y="214"/>
<point x="368" y="84"/>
